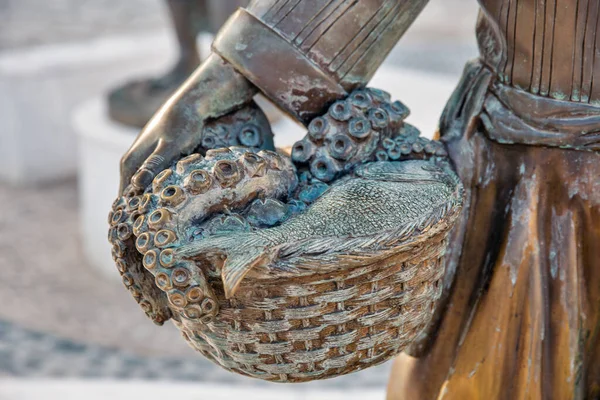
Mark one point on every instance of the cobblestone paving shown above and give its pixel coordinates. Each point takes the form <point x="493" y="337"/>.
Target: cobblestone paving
<point x="27" y="353"/>
<point x="48" y="286"/>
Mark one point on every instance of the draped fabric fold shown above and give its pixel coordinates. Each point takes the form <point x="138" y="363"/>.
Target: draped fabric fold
<point x="522" y="316"/>
<point x="515" y="116"/>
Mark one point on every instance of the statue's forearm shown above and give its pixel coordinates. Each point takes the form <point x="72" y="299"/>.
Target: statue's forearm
<point x="306" y="54"/>
<point x="302" y="54"/>
<point x="215" y="89"/>
<point x="348" y="39"/>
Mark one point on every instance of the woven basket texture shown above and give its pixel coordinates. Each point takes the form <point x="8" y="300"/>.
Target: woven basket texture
<point x="322" y="326"/>
<point x="338" y="309"/>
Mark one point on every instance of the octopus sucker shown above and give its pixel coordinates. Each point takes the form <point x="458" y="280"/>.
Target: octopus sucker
<point x="317" y="129"/>
<point x="349" y="134"/>
<point x="185" y="163"/>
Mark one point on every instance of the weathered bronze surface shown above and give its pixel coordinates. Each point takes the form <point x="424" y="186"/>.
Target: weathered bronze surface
<point x="519" y="315"/>
<point x="522" y="317"/>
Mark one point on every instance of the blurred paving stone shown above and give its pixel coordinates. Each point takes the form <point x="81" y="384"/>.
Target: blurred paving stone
<point x="47" y="285"/>
<point x="26" y="353"/>
<point x="26" y="389"/>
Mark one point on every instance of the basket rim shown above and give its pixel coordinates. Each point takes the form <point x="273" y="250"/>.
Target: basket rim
<point x="431" y="226"/>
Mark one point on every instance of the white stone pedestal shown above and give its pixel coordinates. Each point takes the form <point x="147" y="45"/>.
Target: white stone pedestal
<point x="40" y="88"/>
<point x="103" y="142"/>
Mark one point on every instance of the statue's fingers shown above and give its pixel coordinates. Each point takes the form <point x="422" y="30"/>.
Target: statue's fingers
<point x="160" y="159"/>
<point x="131" y="161"/>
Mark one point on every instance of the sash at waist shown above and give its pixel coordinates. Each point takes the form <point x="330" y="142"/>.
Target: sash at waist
<point x="512" y="115"/>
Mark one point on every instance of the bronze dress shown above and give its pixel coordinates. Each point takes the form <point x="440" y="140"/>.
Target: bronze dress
<point x="522" y="317"/>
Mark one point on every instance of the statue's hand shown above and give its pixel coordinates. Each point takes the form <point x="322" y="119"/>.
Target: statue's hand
<point x="214" y="92"/>
<point x="213" y="109"/>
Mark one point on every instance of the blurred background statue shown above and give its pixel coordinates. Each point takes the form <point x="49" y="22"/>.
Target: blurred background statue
<point x="135" y="102"/>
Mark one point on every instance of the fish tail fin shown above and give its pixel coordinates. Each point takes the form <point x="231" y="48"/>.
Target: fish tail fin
<point x="239" y="262"/>
<point x="244" y="252"/>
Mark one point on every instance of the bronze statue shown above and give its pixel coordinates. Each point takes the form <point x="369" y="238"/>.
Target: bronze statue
<point x="519" y="312"/>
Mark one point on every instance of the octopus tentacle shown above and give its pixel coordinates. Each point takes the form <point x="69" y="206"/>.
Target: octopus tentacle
<point x="196" y="189"/>
<point x="248" y="125"/>
<point x="349" y="133"/>
<point x="365" y="127"/>
<point x="128" y="260"/>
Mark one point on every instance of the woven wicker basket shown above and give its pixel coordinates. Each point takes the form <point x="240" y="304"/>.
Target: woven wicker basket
<point x="322" y="326"/>
<point x="314" y="324"/>
<point x="325" y="304"/>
